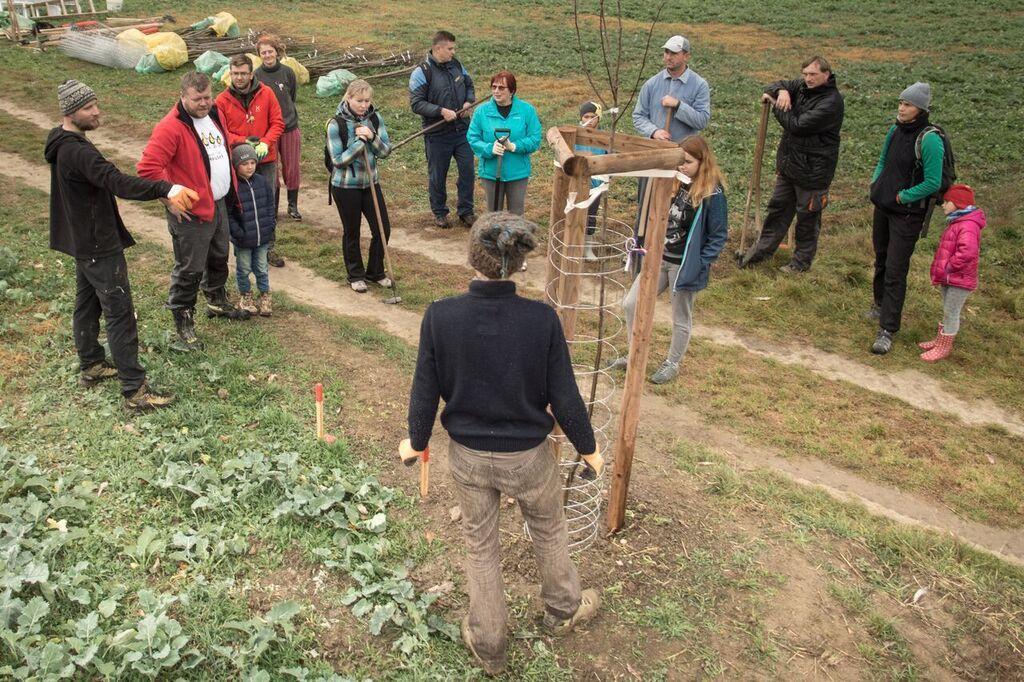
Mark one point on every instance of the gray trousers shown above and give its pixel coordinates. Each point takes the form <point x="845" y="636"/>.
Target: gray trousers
<point x="513" y="195"/>
<point x="532" y="478"/>
<point x="200" y="258"/>
<point x="953" y="299"/>
<point x="682" y="311"/>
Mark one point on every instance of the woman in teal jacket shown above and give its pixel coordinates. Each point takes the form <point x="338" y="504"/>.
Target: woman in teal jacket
<point x="503" y="133"/>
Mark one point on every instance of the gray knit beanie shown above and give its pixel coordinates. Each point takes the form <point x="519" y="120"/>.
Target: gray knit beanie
<point x="72" y="96"/>
<point x="243" y="152"/>
<point x="919" y="94"/>
<point x="499" y="243"/>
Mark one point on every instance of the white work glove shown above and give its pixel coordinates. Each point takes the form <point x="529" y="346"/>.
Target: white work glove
<point x="407" y="454"/>
<point x="595" y="461"/>
<point x="511" y="146"/>
<point x="498" y="149"/>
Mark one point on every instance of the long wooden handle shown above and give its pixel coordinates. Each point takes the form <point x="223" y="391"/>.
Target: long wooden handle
<point x="380" y="220"/>
<point x="755" y="177"/>
<point x="435" y="126"/>
<point x="425" y="473"/>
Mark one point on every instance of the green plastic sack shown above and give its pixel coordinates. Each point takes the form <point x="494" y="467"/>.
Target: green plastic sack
<point x="333" y="84"/>
<point x="203" y="23"/>
<point x="149" y="64"/>
<point x="210" y="62"/>
<point x="222" y="73"/>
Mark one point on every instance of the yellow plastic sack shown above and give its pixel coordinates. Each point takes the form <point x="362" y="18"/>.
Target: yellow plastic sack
<point x="301" y="72"/>
<point x="168" y="48"/>
<point x="225" y="79"/>
<point x="225" y="24"/>
<point x="133" y="36"/>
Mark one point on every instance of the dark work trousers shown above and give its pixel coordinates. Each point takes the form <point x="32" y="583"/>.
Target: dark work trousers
<point x="894" y="237"/>
<point x="103" y="288"/>
<point x="441" y="148"/>
<point x="788" y="200"/>
<point x="200" y="258"/>
<point x="352" y="205"/>
<point x="269" y="173"/>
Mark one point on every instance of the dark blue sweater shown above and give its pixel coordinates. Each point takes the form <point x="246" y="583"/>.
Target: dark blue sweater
<point x="498" y="360"/>
<point x="258" y="219"/>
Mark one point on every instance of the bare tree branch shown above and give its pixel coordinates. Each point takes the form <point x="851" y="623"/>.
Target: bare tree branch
<point x="582" y="51"/>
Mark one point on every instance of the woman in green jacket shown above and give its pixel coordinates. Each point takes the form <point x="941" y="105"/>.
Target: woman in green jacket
<point x="503" y="133"/>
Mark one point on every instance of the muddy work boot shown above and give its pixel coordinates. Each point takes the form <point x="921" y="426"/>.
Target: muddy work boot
<point x="274" y="259"/>
<point x="246" y="303"/>
<point x="263" y="305"/>
<point x="146" y="399"/>
<point x="94" y="374"/>
<point x="491" y="669"/>
<point x="185" y="325"/>
<point x="220" y="306"/>
<point x="293" y="205"/>
<point x="590" y="602"/>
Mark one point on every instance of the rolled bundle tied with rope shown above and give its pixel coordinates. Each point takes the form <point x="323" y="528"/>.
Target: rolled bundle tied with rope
<point x="499" y="244"/>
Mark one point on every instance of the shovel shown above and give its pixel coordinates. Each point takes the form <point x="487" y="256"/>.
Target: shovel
<point x="394" y="299"/>
<point x="754" y="191"/>
<point x="501" y="135"/>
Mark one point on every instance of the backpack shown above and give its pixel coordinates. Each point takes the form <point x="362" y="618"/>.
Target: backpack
<point x="948" y="160"/>
<point x="374" y="121"/>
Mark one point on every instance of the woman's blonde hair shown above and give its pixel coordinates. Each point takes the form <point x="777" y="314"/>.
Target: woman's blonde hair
<point x="709" y="175"/>
<point x="357" y="86"/>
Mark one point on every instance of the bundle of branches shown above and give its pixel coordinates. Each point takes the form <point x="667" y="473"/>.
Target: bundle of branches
<point x="357" y="60"/>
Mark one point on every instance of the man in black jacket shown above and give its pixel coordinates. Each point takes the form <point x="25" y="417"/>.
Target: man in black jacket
<point x="440" y="89"/>
<point x="810" y="111"/>
<point x="85" y="224"/>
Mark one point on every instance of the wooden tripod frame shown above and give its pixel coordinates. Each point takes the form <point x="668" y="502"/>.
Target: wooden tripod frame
<point x="630" y="153"/>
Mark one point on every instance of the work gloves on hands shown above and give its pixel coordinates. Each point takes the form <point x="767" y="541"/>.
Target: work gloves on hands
<point x="498" y="149"/>
<point x="408" y="455"/>
<point x="182" y="198"/>
<point x="595" y="464"/>
<point x="259" y="146"/>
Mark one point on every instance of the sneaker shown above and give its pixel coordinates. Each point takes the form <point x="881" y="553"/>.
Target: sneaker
<point x="874" y="313"/>
<point x="618" y="363"/>
<point x="246" y="303"/>
<point x="442" y="222"/>
<point x="293" y="212"/>
<point x="588" y="253"/>
<point x="468" y="219"/>
<point x="274" y="259"/>
<point x="590" y="602"/>
<point x="147" y="399"/>
<point x="263" y="305"/>
<point x="883" y="342"/>
<point x="94" y="374"/>
<point x="666" y="373"/>
<point x="385" y="283"/>
<point x="491" y="669"/>
<point x="359" y="286"/>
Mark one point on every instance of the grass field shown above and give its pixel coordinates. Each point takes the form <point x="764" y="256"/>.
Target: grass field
<point x="217" y="540"/>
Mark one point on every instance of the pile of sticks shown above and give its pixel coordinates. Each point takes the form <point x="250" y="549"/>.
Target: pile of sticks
<point x="40" y="36"/>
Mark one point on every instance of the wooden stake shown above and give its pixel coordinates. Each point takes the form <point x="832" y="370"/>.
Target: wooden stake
<point x="318" y="394"/>
<point x="14" y="21"/>
<point x="556" y="226"/>
<point x="425" y="472"/>
<point x="563" y="152"/>
<point x="569" y="286"/>
<point x="663" y="159"/>
<point x="755" y="178"/>
<point x="660" y="190"/>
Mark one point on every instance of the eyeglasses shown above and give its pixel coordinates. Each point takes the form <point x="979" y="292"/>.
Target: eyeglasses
<point x="498" y="86"/>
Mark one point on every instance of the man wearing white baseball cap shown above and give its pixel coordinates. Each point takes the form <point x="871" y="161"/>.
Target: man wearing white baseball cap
<point x="676" y="88"/>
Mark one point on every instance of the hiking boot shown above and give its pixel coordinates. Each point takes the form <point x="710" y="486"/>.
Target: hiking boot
<point x="790" y="269"/>
<point x="883" y="342"/>
<point x="943" y="347"/>
<point x="359" y="286"/>
<point x="293" y="205"/>
<point x="221" y="307"/>
<point x="274" y="259"/>
<point x="246" y="303"/>
<point x="491" y="669"/>
<point x="874" y="313"/>
<point x="147" y="399"/>
<point x="928" y="345"/>
<point x="185" y="325"/>
<point x="442" y="222"/>
<point x="94" y="374"/>
<point x="263" y="305"/>
<point x="468" y="219"/>
<point x="590" y="602"/>
<point x="618" y="363"/>
<point x="384" y="283"/>
<point x="666" y="373"/>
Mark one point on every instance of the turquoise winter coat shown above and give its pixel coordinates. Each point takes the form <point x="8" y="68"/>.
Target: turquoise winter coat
<point x="525" y="134"/>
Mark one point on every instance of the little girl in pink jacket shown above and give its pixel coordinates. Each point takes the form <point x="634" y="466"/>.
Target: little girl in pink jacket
<point x="955" y="267"/>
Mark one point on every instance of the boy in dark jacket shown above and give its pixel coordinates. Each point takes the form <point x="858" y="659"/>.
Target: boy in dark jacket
<point x="85" y="224"/>
<point x="252" y="230"/>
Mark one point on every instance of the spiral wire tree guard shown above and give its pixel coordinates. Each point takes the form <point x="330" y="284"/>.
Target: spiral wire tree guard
<point x="598" y="324"/>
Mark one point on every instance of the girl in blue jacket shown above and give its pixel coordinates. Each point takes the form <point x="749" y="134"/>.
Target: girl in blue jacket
<point x="505" y="128"/>
<point x="696" y="233"/>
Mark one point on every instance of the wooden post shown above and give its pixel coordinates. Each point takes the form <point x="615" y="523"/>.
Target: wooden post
<point x="14" y="21"/>
<point x="569" y="286"/>
<point x="660" y="190"/>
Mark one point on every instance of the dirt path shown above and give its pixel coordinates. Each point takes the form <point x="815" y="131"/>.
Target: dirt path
<point x="306" y="287"/>
<point x="912" y="387"/>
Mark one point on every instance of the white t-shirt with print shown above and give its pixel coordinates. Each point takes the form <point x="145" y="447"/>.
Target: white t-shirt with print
<point x="217" y="151"/>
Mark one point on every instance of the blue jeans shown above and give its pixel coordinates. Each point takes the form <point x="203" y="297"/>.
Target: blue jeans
<point x="440" y="148"/>
<point x="254" y="261"/>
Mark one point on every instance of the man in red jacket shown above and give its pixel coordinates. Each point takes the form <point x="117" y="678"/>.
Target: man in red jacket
<point x="252" y="114"/>
<point x="189" y="146"/>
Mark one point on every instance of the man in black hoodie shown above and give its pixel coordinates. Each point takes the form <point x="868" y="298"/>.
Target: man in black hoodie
<point x="85" y="224"/>
<point x="810" y="111"/>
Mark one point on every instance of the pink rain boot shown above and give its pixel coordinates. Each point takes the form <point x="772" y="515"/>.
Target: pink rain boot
<point x="928" y="345"/>
<point x="943" y="347"/>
